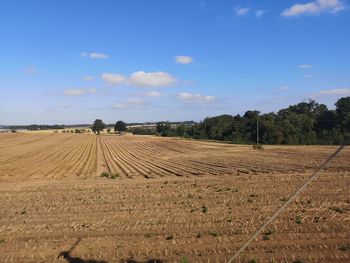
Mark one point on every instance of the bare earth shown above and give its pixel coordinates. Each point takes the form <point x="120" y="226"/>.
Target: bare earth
<point x="173" y="200"/>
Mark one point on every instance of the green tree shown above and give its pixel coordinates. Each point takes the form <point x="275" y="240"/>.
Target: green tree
<point x="120" y="126"/>
<point x="343" y="112"/>
<point x="343" y="107"/>
<point x="164" y="129"/>
<point x="98" y="126"/>
<point x="180" y="130"/>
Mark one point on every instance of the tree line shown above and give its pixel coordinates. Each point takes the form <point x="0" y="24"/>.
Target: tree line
<point x="303" y="123"/>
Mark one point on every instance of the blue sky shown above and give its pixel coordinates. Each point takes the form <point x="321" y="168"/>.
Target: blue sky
<point x="75" y="61"/>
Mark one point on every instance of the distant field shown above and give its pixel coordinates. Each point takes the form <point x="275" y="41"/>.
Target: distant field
<point x="171" y="199"/>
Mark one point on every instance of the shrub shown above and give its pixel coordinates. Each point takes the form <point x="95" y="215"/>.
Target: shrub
<point x="298" y="220"/>
<point x="204" y="209"/>
<point x="267" y="234"/>
<point x="109" y="175"/>
<point x="143" y="131"/>
<point x="113" y="175"/>
<point x="104" y="174"/>
<point x="214" y="233"/>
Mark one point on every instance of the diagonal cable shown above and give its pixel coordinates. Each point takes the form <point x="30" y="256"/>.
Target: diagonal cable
<point x="294" y="195"/>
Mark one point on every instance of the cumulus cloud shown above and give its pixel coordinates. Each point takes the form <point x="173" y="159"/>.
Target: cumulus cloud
<point x="130" y="103"/>
<point x="141" y="79"/>
<point x="184" y="59"/>
<point x="94" y="55"/>
<point x="314" y="8"/>
<point x="88" y="78"/>
<point x="241" y="11"/>
<point x="114" y="79"/>
<point x="78" y="92"/>
<point x="190" y="97"/>
<point x="31" y="70"/>
<point x="259" y="13"/>
<point x="153" y="94"/>
<point x="305" y="66"/>
<point x="334" y="92"/>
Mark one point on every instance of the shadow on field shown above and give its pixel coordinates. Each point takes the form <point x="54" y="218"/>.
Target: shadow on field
<point x="66" y="255"/>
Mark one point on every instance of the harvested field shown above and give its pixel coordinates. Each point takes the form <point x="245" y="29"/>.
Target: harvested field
<point x="46" y="156"/>
<point x="172" y="200"/>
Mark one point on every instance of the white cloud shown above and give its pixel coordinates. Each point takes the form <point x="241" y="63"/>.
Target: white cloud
<point x="94" y="55"/>
<point x="153" y="94"/>
<point x="31" y="70"/>
<point x="284" y="88"/>
<point x="259" y="13"/>
<point x="241" y="11"/>
<point x="98" y="55"/>
<point x="305" y="66"/>
<point x="78" y="92"/>
<point x="130" y="103"/>
<point x="314" y="8"/>
<point x="151" y="79"/>
<point x="141" y="79"/>
<point x="184" y="59"/>
<point x="88" y="78"/>
<point x="115" y="79"/>
<point x="189" y="97"/>
<point x="333" y="92"/>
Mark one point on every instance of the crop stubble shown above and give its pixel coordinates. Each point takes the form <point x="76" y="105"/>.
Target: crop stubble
<point x="173" y="199"/>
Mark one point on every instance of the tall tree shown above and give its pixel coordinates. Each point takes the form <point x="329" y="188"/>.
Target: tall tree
<point x="120" y="126"/>
<point x="343" y="111"/>
<point x="98" y="126"/>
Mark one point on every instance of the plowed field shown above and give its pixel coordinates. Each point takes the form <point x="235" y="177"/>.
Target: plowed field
<point x="172" y="200"/>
